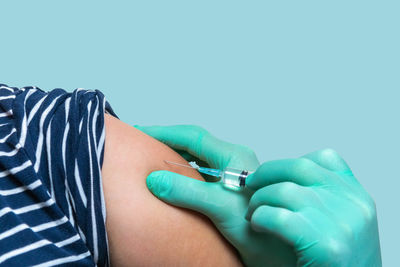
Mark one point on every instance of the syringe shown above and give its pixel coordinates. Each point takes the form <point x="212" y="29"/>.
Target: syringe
<point x="229" y="176"/>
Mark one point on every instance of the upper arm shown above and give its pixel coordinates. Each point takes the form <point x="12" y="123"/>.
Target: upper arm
<point x="141" y="229"/>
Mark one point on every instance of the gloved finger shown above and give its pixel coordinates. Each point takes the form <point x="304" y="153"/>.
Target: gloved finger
<point x="329" y="159"/>
<point x="199" y="143"/>
<point x="301" y="171"/>
<point x="285" y="195"/>
<point x="289" y="226"/>
<point x="206" y="198"/>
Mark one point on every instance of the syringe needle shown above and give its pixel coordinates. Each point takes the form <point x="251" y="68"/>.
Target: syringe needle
<point x="174" y="163"/>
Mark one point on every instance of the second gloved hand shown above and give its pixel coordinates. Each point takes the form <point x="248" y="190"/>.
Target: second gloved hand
<point x="317" y="205"/>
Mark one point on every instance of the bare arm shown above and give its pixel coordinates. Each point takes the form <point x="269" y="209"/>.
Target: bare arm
<point x="143" y="230"/>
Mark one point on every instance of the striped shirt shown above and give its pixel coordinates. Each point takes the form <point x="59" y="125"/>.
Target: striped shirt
<point x="52" y="209"/>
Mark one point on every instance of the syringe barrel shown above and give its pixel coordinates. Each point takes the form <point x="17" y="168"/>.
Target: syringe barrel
<point x="235" y="177"/>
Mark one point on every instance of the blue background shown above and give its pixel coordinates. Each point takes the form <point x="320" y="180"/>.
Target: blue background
<point x="283" y="77"/>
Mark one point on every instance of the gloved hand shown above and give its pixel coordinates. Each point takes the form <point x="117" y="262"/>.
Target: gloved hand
<point x="316" y="204"/>
<point x="225" y="208"/>
<point x="311" y="206"/>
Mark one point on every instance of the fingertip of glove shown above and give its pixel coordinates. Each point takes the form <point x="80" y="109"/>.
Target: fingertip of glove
<point x="159" y="183"/>
<point x="249" y="182"/>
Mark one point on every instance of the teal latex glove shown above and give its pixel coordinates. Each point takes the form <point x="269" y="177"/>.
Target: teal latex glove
<point x="317" y="205"/>
<point x="312" y="205"/>
<point x="226" y="208"/>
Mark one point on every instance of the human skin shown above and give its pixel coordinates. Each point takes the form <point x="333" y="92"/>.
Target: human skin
<point x="141" y="229"/>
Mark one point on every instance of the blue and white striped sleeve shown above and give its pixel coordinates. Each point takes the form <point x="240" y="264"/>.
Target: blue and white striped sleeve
<point x="59" y="140"/>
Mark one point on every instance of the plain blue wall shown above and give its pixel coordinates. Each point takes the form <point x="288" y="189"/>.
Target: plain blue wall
<point x="283" y="77"/>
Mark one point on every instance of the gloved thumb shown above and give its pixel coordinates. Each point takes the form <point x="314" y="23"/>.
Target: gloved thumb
<point x="186" y="192"/>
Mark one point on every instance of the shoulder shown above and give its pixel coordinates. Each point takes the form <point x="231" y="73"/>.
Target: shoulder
<point x="143" y="230"/>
